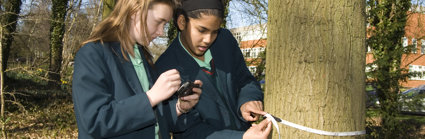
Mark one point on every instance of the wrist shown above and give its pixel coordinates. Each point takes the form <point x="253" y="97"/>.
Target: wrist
<point x="152" y="98"/>
<point x="179" y="109"/>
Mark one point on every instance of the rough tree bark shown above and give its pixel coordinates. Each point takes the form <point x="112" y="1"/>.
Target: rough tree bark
<point x="315" y="73"/>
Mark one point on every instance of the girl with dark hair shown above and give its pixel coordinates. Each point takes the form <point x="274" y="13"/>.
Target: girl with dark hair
<point x="231" y="96"/>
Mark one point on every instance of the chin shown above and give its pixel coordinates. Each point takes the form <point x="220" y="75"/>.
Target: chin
<point x="200" y="53"/>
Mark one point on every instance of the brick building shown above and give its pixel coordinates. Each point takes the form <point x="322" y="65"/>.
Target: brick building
<point x="253" y="40"/>
<point x="415" y="60"/>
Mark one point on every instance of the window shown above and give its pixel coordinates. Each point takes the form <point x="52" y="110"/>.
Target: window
<point x="252" y="69"/>
<point x="405" y="43"/>
<point x="248" y="53"/>
<point x="253" y="52"/>
<point x="245" y="53"/>
<point x="414" y="43"/>
<point x="419" y="70"/>
<point x="423" y="46"/>
<point x="238" y="36"/>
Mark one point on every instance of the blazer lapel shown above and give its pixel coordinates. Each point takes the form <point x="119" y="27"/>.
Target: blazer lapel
<point x="127" y="70"/>
<point x="148" y="70"/>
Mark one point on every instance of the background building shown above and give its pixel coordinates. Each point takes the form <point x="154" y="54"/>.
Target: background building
<point x="414" y="61"/>
<point x="253" y="41"/>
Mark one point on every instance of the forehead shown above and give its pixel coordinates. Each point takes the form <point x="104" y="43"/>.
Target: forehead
<point x="209" y="22"/>
<point x="161" y="10"/>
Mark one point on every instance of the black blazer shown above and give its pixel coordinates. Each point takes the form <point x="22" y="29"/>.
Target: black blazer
<point x="219" y="112"/>
<point x="109" y="101"/>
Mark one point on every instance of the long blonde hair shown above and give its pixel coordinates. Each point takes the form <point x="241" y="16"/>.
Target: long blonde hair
<point x="116" y="26"/>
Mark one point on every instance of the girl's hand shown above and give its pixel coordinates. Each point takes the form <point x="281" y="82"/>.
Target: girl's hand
<point x="186" y="103"/>
<point x="166" y="85"/>
<point x="260" y="131"/>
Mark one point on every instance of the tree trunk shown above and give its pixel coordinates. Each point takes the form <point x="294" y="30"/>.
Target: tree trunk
<point x="3" y="131"/>
<point x="226" y="12"/>
<point x="8" y="19"/>
<point x="57" y="30"/>
<point x="315" y="73"/>
<point x="108" y="7"/>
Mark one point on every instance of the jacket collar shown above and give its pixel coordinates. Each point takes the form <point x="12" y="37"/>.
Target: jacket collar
<point x="128" y="70"/>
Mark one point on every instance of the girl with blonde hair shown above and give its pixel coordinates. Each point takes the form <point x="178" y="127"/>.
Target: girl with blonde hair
<point x="113" y="86"/>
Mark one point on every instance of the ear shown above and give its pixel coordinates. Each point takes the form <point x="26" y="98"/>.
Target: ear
<point x="181" y="22"/>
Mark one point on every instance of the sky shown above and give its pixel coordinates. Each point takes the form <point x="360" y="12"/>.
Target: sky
<point x="237" y="15"/>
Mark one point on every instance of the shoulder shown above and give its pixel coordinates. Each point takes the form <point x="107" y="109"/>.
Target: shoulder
<point x="226" y="38"/>
<point x="225" y="32"/>
<point x="169" y="53"/>
<point x="91" y="48"/>
<point x="225" y="41"/>
<point x="96" y="48"/>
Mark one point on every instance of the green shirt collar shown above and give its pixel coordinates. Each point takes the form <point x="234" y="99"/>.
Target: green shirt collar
<point x="140" y="68"/>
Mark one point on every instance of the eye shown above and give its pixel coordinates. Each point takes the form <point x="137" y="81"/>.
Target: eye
<point x="215" y="32"/>
<point x="201" y="30"/>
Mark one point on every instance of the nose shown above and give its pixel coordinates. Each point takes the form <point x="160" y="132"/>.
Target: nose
<point x="160" y="31"/>
<point x="207" y="39"/>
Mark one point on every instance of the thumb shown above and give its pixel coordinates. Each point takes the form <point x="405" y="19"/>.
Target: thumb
<point x="263" y="124"/>
<point x="268" y="128"/>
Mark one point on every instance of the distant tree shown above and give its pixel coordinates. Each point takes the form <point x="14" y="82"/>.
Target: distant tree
<point x="387" y="20"/>
<point x="8" y="19"/>
<point x="2" y="82"/>
<point x="30" y="47"/>
<point x="108" y="6"/>
<point x="57" y="30"/>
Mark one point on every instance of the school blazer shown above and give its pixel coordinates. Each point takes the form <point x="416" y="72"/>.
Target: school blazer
<point x="219" y="115"/>
<point x="109" y="101"/>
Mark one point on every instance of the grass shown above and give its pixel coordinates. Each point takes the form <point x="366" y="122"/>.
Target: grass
<point x="409" y="126"/>
<point x="37" y="110"/>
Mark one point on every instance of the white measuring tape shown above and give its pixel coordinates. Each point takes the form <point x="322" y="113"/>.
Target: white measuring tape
<point x="311" y="130"/>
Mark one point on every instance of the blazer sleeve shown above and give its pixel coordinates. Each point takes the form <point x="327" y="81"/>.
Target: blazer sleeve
<point x="247" y="86"/>
<point x="97" y="111"/>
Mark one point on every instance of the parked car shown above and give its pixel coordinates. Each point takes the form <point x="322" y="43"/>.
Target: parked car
<point x="371" y="99"/>
<point x="413" y="100"/>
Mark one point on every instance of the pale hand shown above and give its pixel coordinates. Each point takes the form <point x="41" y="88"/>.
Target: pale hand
<point x="165" y="86"/>
<point x="260" y="131"/>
